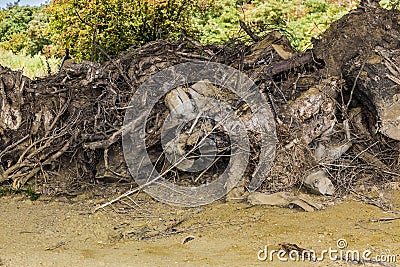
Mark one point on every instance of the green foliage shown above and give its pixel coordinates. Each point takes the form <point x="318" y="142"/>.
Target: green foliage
<point x="3" y="191"/>
<point x="33" y="196"/>
<point x="316" y="6"/>
<point x="299" y="20"/>
<point x="38" y="35"/>
<point x="23" y="29"/>
<point x="117" y="24"/>
<point x="15" y="20"/>
<point x="391" y="4"/>
<point x="219" y="22"/>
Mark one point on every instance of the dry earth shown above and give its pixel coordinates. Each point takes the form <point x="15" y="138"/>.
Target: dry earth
<point x="64" y="232"/>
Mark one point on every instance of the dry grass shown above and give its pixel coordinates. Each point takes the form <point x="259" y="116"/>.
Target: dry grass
<point x="36" y="66"/>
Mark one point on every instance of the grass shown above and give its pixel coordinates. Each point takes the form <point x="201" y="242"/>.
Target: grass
<point x="300" y="20"/>
<point x="36" y="66"/>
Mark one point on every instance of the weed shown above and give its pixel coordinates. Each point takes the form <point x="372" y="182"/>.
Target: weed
<point x="33" y="196"/>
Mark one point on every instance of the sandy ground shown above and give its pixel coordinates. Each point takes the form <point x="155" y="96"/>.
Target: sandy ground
<point x="64" y="232"/>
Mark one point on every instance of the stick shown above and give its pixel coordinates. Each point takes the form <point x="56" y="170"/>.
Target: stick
<point x="249" y="32"/>
<point x="289" y="64"/>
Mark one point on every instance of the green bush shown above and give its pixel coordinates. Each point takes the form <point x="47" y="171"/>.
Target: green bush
<point x="38" y="36"/>
<point x="23" y="29"/>
<point x="117" y="24"/>
<point x="14" y="20"/>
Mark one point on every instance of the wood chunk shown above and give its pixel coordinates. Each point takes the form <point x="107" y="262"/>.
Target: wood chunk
<point x="284" y="199"/>
<point x="318" y="182"/>
<point x="377" y="84"/>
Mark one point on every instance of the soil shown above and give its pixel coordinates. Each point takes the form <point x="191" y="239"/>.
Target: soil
<point x="65" y="232"/>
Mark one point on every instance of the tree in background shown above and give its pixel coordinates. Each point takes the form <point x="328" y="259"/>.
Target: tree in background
<point x="115" y="25"/>
<point x="23" y="29"/>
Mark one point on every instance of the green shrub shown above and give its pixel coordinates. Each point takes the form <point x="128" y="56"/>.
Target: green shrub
<point x="14" y="20"/>
<point x="23" y="29"/>
<point x="117" y="24"/>
<point x="38" y="35"/>
<point x="29" y="191"/>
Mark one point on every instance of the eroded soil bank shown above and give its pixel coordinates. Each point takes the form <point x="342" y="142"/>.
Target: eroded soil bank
<point x="64" y="232"/>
